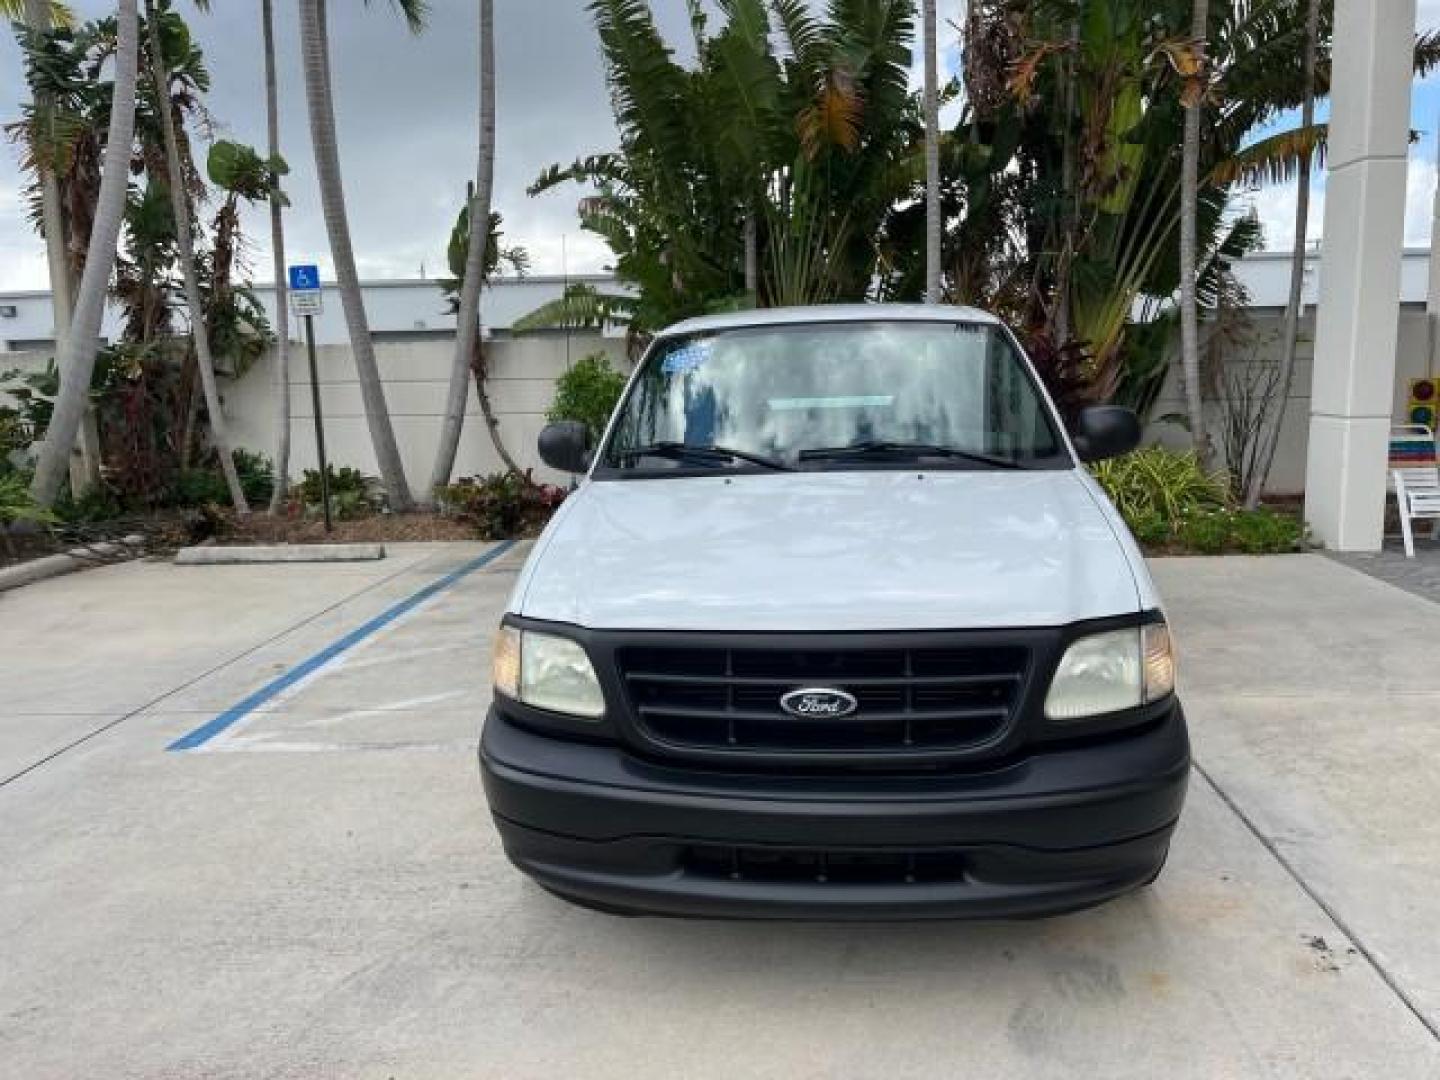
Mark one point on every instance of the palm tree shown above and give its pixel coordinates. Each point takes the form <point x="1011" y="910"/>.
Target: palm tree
<point x="277" y="245"/>
<point x="85" y="467"/>
<point x="1290" y="331"/>
<point x="77" y="353"/>
<point x="1189" y="210"/>
<point x="185" y="248"/>
<point x="932" y="160"/>
<point x="315" y="46"/>
<point x="468" y="318"/>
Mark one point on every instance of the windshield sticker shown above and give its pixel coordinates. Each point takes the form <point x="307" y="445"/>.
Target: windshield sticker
<point x="792" y="404"/>
<point x="686" y="358"/>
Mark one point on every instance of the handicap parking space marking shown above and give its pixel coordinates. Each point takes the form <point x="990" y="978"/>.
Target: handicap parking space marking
<point x="241" y="738"/>
<point x="290" y="681"/>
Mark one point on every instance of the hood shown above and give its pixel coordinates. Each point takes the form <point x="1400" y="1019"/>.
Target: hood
<point x="854" y="550"/>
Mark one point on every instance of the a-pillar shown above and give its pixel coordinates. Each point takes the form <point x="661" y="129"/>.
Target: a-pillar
<point x="1356" y="324"/>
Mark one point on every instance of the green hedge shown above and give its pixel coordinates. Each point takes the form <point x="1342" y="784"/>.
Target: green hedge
<point x="1172" y="505"/>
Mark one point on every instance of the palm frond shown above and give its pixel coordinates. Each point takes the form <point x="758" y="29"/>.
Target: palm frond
<point x="834" y="118"/>
<point x="416" y="13"/>
<point x="582" y="307"/>
<point x="802" y="35"/>
<point x="596" y="169"/>
<point x="1276" y="159"/>
<point x="1427" y="52"/>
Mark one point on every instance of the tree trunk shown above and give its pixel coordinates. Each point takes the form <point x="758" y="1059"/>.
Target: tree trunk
<point x="752" y="258"/>
<point x="1060" y="315"/>
<point x="185" y="251"/>
<point x="467" y="324"/>
<point x="481" y="371"/>
<point x="1189" y="204"/>
<point x="85" y="461"/>
<point x="314" y="40"/>
<point x="1290" y="332"/>
<point x="277" y="244"/>
<point x="77" y="352"/>
<point x="932" y="159"/>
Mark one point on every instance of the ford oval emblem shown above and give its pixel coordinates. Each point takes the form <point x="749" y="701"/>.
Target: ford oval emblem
<point x="818" y="702"/>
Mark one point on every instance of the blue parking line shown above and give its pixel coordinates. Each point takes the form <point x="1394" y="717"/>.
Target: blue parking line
<point x="208" y="730"/>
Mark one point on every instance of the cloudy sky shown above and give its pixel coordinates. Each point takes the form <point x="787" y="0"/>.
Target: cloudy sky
<point x="407" y="115"/>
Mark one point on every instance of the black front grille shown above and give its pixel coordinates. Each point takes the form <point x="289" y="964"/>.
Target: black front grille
<point x="822" y="867"/>
<point x="910" y="700"/>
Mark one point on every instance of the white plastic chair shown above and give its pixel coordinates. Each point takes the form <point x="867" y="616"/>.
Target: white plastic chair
<point x="1417" y="496"/>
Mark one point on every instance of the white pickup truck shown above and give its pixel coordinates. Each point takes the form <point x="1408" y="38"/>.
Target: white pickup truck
<point x="836" y="626"/>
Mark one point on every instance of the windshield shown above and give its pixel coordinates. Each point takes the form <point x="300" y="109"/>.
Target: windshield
<point x="836" y="395"/>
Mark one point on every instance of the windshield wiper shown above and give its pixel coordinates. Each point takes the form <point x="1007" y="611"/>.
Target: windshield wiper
<point x="680" y="451"/>
<point x="884" y="448"/>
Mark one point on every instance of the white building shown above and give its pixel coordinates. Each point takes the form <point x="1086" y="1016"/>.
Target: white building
<point x="413" y="336"/>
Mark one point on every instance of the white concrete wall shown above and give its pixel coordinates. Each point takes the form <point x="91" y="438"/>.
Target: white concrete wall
<point x="1288" y="474"/>
<point x="416" y="374"/>
<point x="522" y="386"/>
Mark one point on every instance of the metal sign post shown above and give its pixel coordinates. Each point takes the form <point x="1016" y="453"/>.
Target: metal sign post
<point x="306" y="302"/>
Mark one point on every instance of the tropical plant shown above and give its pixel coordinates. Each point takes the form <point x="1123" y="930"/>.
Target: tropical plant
<point x="236" y="323"/>
<point x="498" y="258"/>
<point x="39" y="16"/>
<point x="315" y="49"/>
<point x="472" y="273"/>
<point x="588" y="392"/>
<point x="351" y="492"/>
<point x="793" y="141"/>
<point x="77" y="353"/>
<point x="168" y="36"/>
<point x="17" y="504"/>
<point x="1160" y="482"/>
<point x="501" y="505"/>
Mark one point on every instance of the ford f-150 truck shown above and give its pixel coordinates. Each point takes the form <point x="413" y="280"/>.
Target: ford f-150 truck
<point x="836" y="626"/>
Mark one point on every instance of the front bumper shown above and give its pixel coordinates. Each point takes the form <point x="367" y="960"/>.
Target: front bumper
<point x="1052" y="831"/>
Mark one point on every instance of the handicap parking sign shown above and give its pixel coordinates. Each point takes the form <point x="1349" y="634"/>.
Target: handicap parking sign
<point x="304" y="278"/>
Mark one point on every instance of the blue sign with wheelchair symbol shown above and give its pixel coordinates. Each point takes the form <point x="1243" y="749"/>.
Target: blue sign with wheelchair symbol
<point x="304" y="278"/>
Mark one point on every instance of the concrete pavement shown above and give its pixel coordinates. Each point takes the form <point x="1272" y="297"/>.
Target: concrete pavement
<point x="316" y="890"/>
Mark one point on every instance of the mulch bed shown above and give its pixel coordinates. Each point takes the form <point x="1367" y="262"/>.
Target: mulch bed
<point x="166" y="531"/>
<point x="379" y="528"/>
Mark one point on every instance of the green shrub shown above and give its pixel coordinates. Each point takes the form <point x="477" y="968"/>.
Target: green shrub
<point x="350" y="493"/>
<point x="1265" y="532"/>
<point x="99" y="504"/>
<point x="16" y="503"/>
<point x="588" y="392"/>
<point x="501" y="505"/>
<point x="1172" y="504"/>
<point x="1159" y="481"/>
<point x="1151" y="528"/>
<point x="198" y="487"/>
<point x="1247" y="532"/>
<point x="257" y="476"/>
<point x="1206" y="533"/>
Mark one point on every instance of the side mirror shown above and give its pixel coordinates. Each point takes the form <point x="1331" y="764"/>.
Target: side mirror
<point x="565" y="445"/>
<point x="1105" y="431"/>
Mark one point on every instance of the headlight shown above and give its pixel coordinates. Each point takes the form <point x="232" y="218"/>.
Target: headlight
<point x="1112" y="671"/>
<point x="546" y="671"/>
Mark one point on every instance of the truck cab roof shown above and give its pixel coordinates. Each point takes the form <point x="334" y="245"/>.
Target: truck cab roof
<point x="830" y="313"/>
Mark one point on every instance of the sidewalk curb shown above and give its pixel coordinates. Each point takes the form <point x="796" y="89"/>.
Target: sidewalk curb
<point x="217" y="555"/>
<point x="79" y="558"/>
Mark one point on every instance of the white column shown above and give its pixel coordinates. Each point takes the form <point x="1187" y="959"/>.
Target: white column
<point x="1357" y="320"/>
